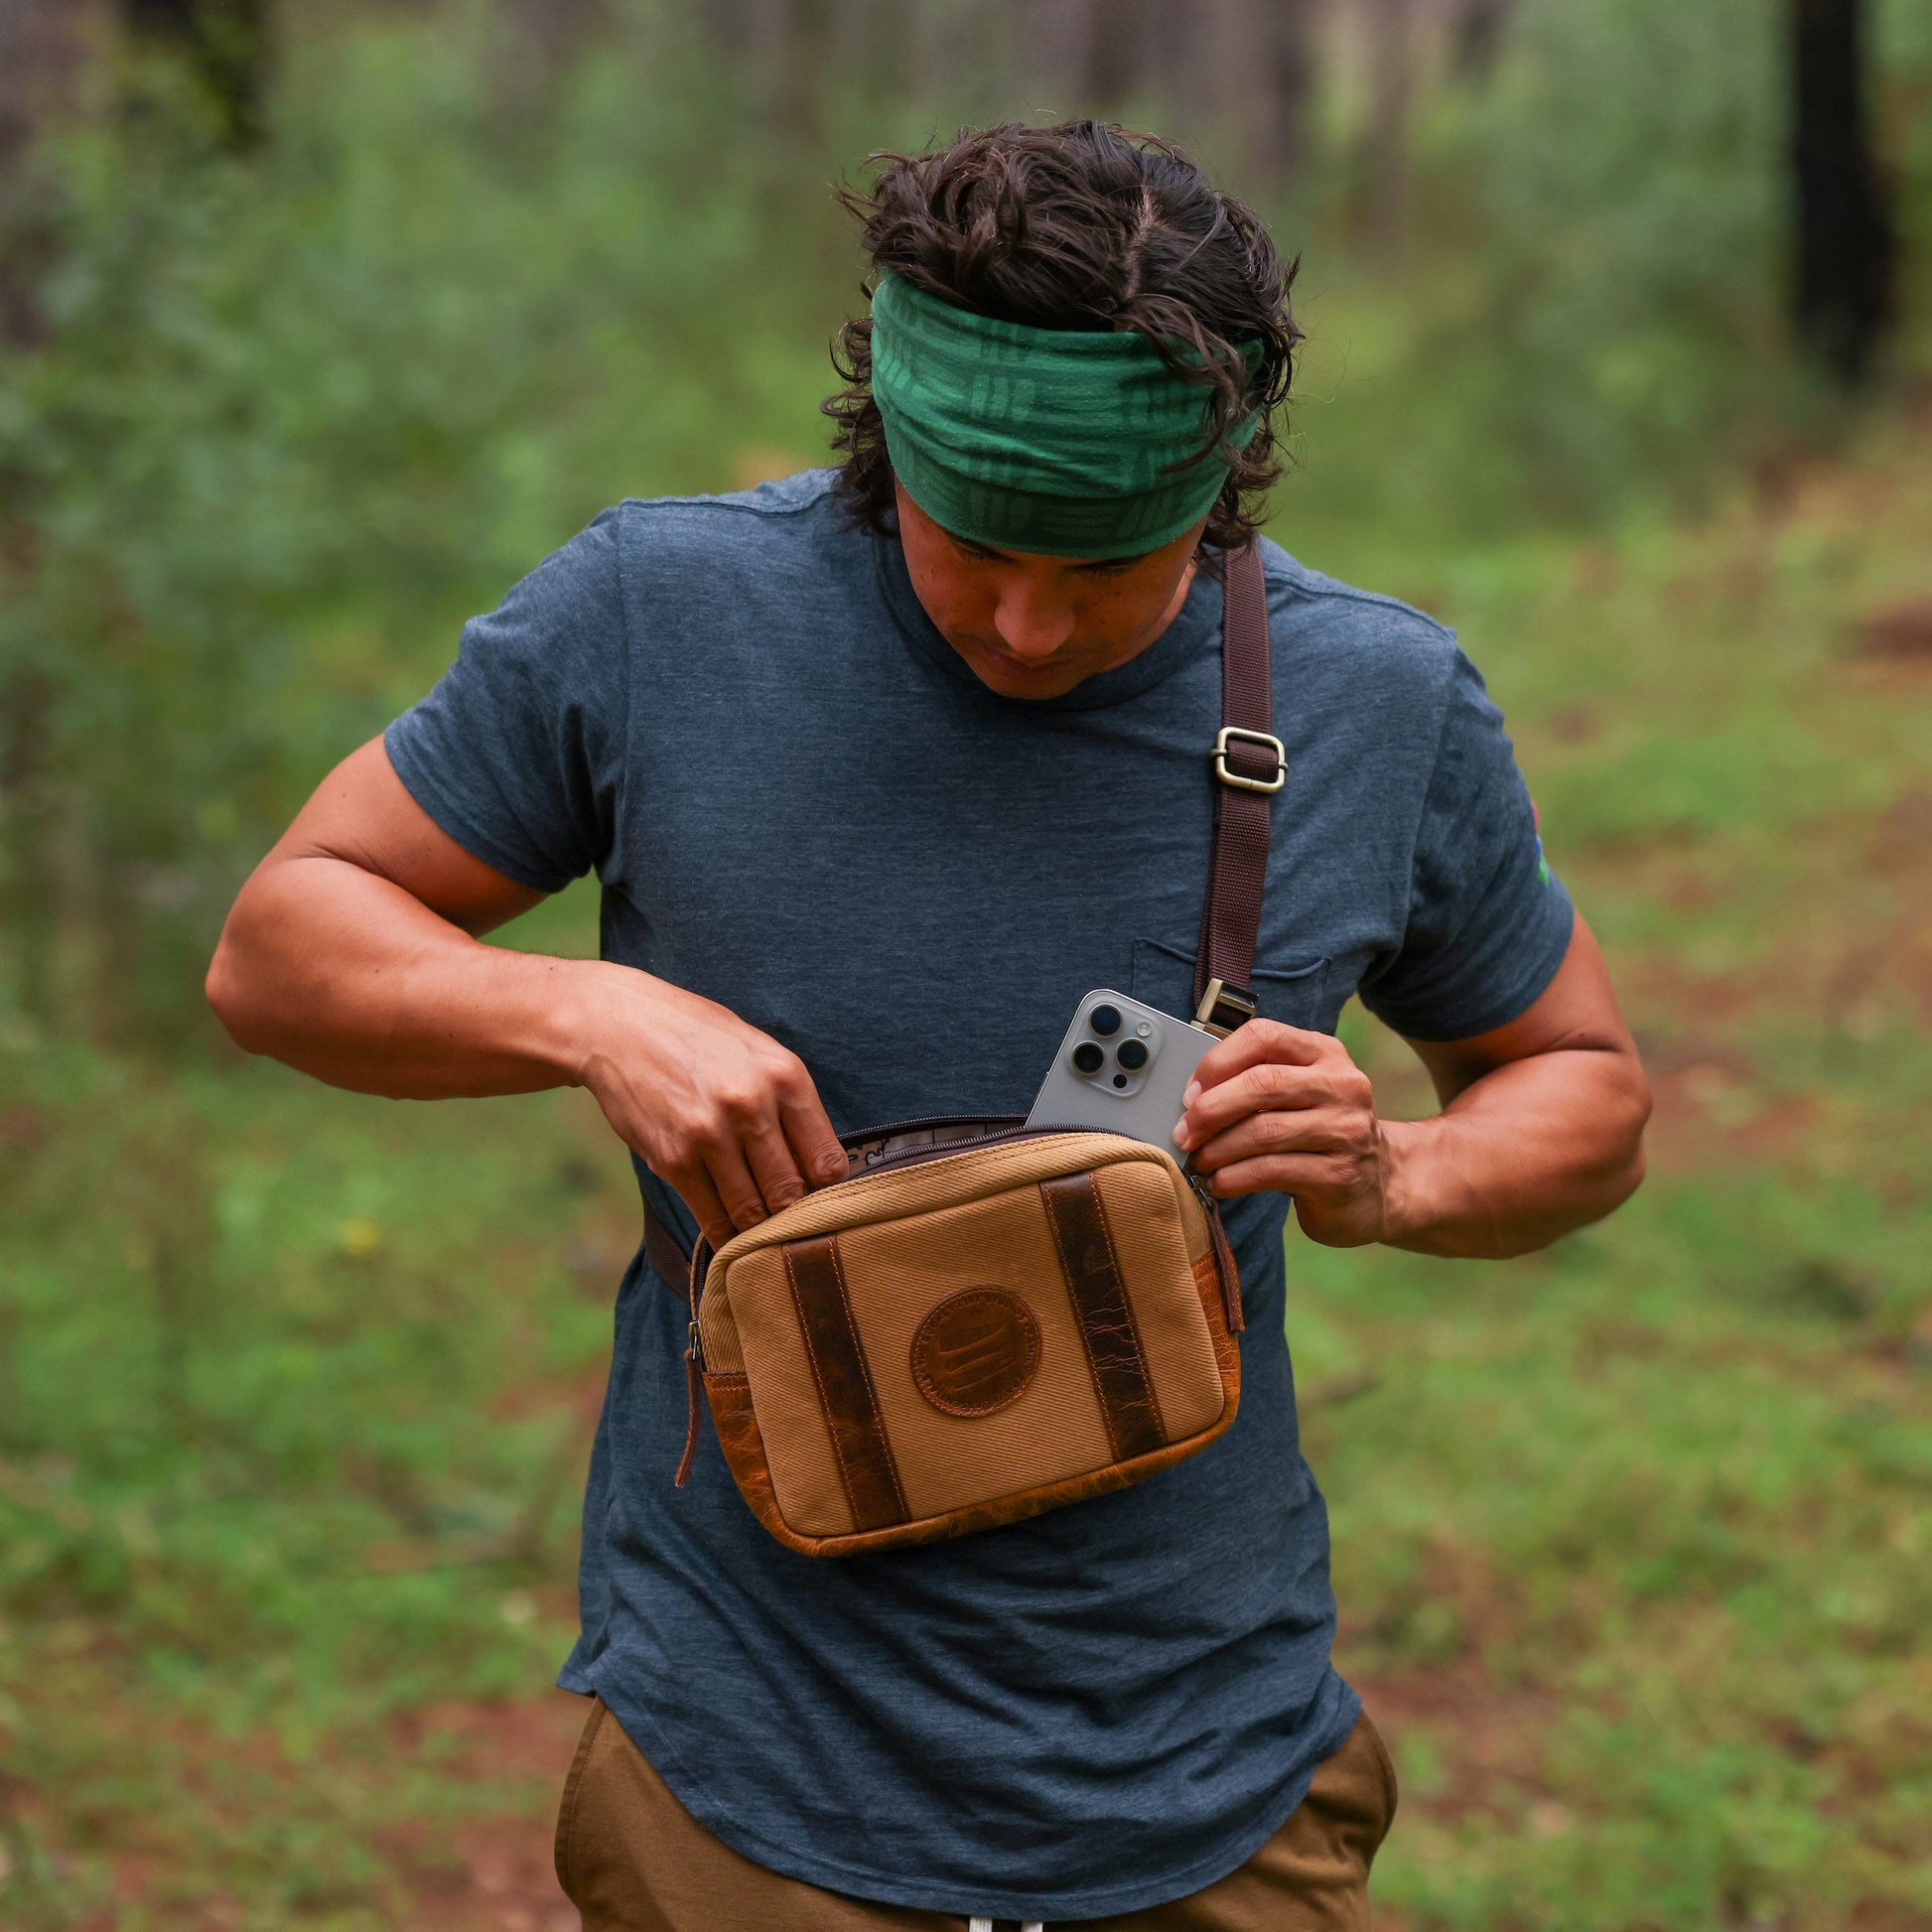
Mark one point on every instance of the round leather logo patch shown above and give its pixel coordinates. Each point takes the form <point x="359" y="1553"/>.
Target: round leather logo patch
<point x="975" y="1351"/>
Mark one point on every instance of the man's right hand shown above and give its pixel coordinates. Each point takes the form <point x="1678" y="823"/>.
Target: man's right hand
<point x="353" y="954"/>
<point x="713" y="1107"/>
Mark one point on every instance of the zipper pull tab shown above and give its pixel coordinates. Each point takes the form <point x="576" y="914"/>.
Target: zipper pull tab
<point x="1223" y="1256"/>
<point x="694" y="1400"/>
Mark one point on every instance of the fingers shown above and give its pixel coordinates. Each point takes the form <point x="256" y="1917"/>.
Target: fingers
<point x="722" y="1112"/>
<point x="772" y="1151"/>
<point x="1264" y="1135"/>
<point x="1313" y="1175"/>
<point x="814" y="1144"/>
<point x="1268" y="1088"/>
<point x="695" y="1190"/>
<point x="775" y="1172"/>
<point x="1258" y="1040"/>
<point x="731" y="1175"/>
<point x="788" y="1151"/>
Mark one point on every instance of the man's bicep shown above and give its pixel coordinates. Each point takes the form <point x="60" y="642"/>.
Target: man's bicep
<point x="365" y="816"/>
<point x="1577" y="1012"/>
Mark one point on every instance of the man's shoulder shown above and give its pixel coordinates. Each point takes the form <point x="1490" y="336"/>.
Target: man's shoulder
<point x="1363" y="649"/>
<point x="787" y="512"/>
<point x="1343" y="616"/>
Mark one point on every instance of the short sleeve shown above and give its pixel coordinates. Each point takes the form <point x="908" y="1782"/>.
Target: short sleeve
<point x="519" y="753"/>
<point x="1488" y="925"/>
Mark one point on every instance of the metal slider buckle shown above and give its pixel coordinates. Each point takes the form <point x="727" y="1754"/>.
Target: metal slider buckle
<point x="1231" y="777"/>
<point x="1223" y="1007"/>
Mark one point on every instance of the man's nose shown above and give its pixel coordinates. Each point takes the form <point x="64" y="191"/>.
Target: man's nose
<point x="1031" y="625"/>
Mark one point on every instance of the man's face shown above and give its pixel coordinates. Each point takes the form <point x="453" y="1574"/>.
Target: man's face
<point x="1031" y="626"/>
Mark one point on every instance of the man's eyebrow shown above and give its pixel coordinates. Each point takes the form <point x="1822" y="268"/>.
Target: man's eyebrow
<point x="1090" y="562"/>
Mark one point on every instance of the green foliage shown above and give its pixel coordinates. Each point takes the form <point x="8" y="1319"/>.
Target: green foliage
<point x="1631" y="177"/>
<point x="295" y="1387"/>
<point x="293" y="1430"/>
<point x="294" y="417"/>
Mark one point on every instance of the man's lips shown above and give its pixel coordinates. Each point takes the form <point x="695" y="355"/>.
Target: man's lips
<point x="1025" y="666"/>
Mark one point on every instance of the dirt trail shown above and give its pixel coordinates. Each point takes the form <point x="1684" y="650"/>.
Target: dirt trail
<point x="495" y="1874"/>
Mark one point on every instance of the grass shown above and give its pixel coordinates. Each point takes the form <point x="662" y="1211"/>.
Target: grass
<point x="1630" y="1538"/>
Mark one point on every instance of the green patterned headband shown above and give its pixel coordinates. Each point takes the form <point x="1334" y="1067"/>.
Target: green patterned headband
<point x="1059" y="442"/>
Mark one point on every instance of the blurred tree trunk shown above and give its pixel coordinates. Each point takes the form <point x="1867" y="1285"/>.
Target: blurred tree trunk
<point x="1096" y="55"/>
<point x="228" y="44"/>
<point x="801" y="41"/>
<point x="870" y="46"/>
<point x="778" y="51"/>
<point x="1253" y="69"/>
<point x="1845" y="247"/>
<point x="556" y="28"/>
<point x="1059" y="41"/>
<point x="44" y="48"/>
<point x="39" y="49"/>
<point x="1476" y="35"/>
<point x="1392" y="79"/>
<point x="1126" y="52"/>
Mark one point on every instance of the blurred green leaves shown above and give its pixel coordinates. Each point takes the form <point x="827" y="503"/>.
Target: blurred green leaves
<point x="293" y="1384"/>
<point x="294" y="416"/>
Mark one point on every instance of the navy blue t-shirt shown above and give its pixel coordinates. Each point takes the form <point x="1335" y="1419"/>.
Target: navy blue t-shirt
<point x="801" y="803"/>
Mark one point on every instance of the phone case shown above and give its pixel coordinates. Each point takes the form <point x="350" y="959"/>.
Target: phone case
<point x="1141" y="1101"/>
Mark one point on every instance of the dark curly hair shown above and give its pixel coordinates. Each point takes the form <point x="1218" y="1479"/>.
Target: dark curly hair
<point x="1084" y="226"/>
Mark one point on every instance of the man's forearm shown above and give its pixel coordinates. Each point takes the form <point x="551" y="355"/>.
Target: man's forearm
<point x="348" y="978"/>
<point x="1527" y="1153"/>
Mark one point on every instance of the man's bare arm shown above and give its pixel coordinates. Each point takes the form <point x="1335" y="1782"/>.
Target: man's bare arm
<point x="351" y="953"/>
<point x="1540" y="1128"/>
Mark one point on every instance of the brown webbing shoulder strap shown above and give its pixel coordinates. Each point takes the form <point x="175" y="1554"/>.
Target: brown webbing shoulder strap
<point x="1250" y="767"/>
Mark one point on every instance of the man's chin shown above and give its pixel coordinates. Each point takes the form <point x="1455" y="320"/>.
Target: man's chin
<point x="1012" y="679"/>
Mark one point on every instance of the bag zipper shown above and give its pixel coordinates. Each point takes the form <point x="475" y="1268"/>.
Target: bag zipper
<point x="913" y="1156"/>
<point x="1223" y="1256"/>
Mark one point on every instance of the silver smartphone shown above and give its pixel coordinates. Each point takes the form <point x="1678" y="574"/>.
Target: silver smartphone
<point x="1121" y="1066"/>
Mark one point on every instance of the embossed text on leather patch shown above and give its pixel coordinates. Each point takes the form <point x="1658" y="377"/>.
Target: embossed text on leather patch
<point x="976" y="1352"/>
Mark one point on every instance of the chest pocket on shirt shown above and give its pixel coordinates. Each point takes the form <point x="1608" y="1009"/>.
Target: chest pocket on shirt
<point x="1296" y="994"/>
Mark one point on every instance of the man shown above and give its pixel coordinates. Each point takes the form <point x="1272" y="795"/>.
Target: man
<point x="881" y="769"/>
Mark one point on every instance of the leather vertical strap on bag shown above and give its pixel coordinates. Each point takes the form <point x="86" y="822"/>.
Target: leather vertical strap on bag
<point x="986" y="1321"/>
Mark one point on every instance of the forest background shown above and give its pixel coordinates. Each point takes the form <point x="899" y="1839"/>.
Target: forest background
<point x="318" y="326"/>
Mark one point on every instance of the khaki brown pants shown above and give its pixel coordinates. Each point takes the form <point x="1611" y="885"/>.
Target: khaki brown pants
<point x="631" y="1858"/>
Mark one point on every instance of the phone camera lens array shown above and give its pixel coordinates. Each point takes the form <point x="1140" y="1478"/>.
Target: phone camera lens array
<point x="1131" y="1055"/>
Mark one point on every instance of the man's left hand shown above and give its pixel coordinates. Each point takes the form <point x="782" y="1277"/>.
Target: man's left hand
<point x="1276" y="1109"/>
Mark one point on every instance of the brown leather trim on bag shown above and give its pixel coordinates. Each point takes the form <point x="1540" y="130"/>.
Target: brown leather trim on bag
<point x="867" y="1471"/>
<point x="1086" y="1243"/>
<point x="736" y="1422"/>
<point x="1217" y="1234"/>
<point x="1227" y="1351"/>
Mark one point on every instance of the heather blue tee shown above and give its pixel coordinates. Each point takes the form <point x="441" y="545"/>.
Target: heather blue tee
<point x="801" y="803"/>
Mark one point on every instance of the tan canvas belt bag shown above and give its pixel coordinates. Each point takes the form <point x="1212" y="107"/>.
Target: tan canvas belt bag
<point x="986" y="1321"/>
